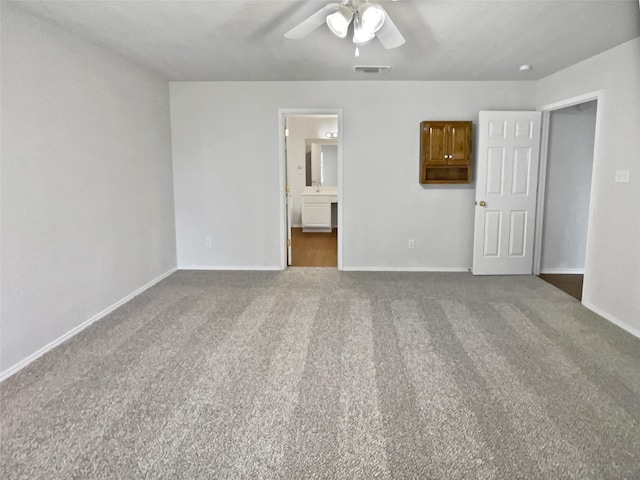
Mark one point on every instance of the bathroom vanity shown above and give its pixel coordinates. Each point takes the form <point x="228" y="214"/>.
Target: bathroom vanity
<point x="316" y="208"/>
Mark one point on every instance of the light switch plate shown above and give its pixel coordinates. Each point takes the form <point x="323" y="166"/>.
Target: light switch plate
<point x="622" y="176"/>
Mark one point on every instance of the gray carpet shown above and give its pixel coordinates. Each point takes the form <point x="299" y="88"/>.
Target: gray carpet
<point x="315" y="373"/>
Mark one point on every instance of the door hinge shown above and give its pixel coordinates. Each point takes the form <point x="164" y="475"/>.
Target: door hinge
<point x="288" y="189"/>
<point x="288" y="242"/>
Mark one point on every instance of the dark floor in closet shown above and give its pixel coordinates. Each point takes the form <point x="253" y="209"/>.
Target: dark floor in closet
<point x="568" y="283"/>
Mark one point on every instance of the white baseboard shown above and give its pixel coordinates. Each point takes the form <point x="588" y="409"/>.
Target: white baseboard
<point x="560" y="271"/>
<point x="230" y="268"/>
<point x="612" y="319"/>
<point x="345" y="269"/>
<point x="405" y="269"/>
<point x="34" y="356"/>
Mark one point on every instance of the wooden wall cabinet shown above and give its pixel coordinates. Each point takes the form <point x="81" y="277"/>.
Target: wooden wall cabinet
<point x="445" y="152"/>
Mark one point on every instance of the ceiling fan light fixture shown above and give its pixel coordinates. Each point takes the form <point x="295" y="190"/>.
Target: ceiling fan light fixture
<point x="372" y="17"/>
<point x="360" y="35"/>
<point x="339" y="21"/>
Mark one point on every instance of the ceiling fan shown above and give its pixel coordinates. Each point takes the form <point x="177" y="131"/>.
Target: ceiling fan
<point x="369" y="20"/>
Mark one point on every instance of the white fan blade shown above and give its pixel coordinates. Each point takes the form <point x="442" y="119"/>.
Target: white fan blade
<point x="310" y="24"/>
<point x="389" y="35"/>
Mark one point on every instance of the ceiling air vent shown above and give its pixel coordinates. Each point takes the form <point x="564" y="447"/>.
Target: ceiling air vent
<point x="371" y="69"/>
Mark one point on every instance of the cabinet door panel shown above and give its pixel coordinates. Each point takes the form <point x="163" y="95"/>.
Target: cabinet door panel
<point x="459" y="143"/>
<point x="316" y="215"/>
<point x="434" y="136"/>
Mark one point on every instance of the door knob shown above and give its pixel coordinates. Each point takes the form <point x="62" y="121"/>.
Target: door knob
<point x="482" y="203"/>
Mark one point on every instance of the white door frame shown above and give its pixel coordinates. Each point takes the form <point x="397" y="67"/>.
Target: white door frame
<point x="282" y="113"/>
<point x="597" y="95"/>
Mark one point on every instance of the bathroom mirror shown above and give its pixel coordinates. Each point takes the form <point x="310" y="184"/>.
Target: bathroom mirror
<point x="321" y="164"/>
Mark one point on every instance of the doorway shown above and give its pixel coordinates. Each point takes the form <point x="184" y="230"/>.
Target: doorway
<point x="311" y="174"/>
<point x="566" y="178"/>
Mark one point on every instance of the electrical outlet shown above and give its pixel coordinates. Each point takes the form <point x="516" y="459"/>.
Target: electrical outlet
<point x="207" y="241"/>
<point x="411" y="243"/>
<point x="622" y="176"/>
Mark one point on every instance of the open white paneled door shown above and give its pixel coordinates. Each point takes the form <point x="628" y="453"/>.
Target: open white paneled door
<point x="507" y="180"/>
<point x="289" y="199"/>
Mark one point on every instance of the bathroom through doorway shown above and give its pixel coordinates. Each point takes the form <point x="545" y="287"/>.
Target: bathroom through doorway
<point x="311" y="151"/>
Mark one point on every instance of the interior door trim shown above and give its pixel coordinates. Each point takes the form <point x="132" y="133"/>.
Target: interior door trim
<point x="598" y="96"/>
<point x="282" y="113"/>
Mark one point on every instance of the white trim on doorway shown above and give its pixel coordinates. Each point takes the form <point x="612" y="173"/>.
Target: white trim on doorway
<point x="282" y="113"/>
<point x="597" y="95"/>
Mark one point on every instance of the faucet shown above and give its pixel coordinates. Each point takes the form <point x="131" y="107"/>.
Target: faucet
<point x="317" y="184"/>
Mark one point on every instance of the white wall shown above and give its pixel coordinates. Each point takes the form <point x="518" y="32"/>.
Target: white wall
<point x="226" y="162"/>
<point x="568" y="187"/>
<point x="87" y="200"/>
<point x="612" y="270"/>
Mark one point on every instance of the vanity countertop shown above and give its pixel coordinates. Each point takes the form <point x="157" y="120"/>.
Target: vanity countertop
<point x="332" y="191"/>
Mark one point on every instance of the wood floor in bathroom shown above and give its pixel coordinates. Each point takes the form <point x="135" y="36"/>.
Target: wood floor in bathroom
<point x="314" y="249"/>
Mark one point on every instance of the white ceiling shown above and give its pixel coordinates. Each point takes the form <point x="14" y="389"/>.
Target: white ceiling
<point x="446" y="40"/>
